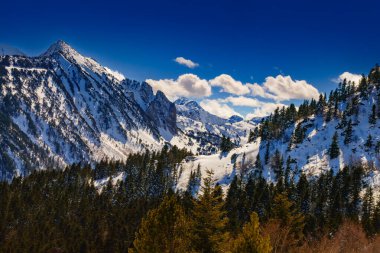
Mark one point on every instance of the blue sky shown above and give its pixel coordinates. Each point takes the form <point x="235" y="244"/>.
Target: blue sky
<point x="249" y="41"/>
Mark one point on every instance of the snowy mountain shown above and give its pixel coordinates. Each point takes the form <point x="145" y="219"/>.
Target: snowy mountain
<point x="207" y="129"/>
<point x="68" y="108"/>
<point x="62" y="107"/>
<point x="352" y="112"/>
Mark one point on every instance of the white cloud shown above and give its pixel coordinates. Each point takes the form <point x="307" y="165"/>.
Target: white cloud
<point x="349" y="77"/>
<point x="186" y="62"/>
<point x="261" y="108"/>
<point x="283" y="88"/>
<point x="187" y="85"/>
<point x="229" y="85"/>
<point x="217" y="108"/>
<point x="264" y="110"/>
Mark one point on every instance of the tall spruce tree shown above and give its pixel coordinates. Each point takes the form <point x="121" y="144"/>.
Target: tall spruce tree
<point x="251" y="239"/>
<point x="334" y="147"/>
<point x="209" y="219"/>
<point x="348" y="133"/>
<point x="165" y="229"/>
<point x="369" y="142"/>
<point x="373" y="115"/>
<point x="367" y="212"/>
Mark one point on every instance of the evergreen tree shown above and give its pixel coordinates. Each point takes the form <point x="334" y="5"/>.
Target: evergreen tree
<point x="334" y="147"/>
<point x="165" y="229"/>
<point x="277" y="167"/>
<point x="258" y="166"/>
<point x="373" y="115"/>
<point x="287" y="175"/>
<point x="367" y="212"/>
<point x="194" y="181"/>
<point x="299" y="134"/>
<point x="209" y="219"/>
<point x="251" y="239"/>
<point x="369" y="142"/>
<point x="291" y="224"/>
<point x="348" y="133"/>
<point x="267" y="153"/>
<point x="377" y="147"/>
<point x="235" y="205"/>
<point x="376" y="218"/>
<point x="363" y="87"/>
<point x="226" y="144"/>
<point x="374" y="76"/>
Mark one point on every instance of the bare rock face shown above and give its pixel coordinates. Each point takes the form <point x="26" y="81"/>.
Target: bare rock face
<point x="164" y="113"/>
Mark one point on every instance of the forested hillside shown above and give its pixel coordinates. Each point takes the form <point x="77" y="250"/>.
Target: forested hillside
<point x="68" y="211"/>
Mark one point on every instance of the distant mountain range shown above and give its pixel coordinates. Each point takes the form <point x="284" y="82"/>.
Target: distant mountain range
<point x="61" y="107"/>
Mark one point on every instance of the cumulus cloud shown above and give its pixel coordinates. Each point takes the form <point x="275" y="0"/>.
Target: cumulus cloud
<point x="355" y="78"/>
<point x="261" y="108"/>
<point x="218" y="108"/>
<point x="274" y="90"/>
<point x="264" y="110"/>
<point x="187" y="85"/>
<point x="229" y="85"/>
<point x="186" y="62"/>
<point x="283" y="88"/>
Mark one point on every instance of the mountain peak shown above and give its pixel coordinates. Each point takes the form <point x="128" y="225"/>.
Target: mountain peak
<point x="235" y="119"/>
<point x="59" y="46"/>
<point x="188" y="103"/>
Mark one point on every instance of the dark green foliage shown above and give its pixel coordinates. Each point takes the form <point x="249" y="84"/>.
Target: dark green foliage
<point x="194" y="181"/>
<point x="363" y="87"/>
<point x="373" y="115"/>
<point x="369" y="143"/>
<point x="61" y="208"/>
<point x="226" y="144"/>
<point x="348" y="133"/>
<point x="299" y="134"/>
<point x="334" y="147"/>
<point x="368" y="212"/>
<point x="208" y="230"/>
<point x="3" y="71"/>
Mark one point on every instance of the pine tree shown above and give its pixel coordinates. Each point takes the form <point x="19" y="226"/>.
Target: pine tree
<point x="363" y="87"/>
<point x="376" y="218"/>
<point x="226" y="144"/>
<point x="290" y="224"/>
<point x="277" y="166"/>
<point x="377" y="147"/>
<point x="334" y="147"/>
<point x="367" y="212"/>
<point x="258" y="166"/>
<point x="266" y="158"/>
<point x="374" y="76"/>
<point x="165" y="229"/>
<point x="368" y="142"/>
<point x="303" y="194"/>
<point x="235" y="204"/>
<point x="288" y="172"/>
<point x="209" y="219"/>
<point x="299" y="134"/>
<point x="194" y="180"/>
<point x="348" y="133"/>
<point x="251" y="239"/>
<point x="373" y="116"/>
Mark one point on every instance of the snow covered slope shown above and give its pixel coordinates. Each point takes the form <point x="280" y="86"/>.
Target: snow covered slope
<point x="63" y="108"/>
<point x="206" y="129"/>
<point x="311" y="156"/>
